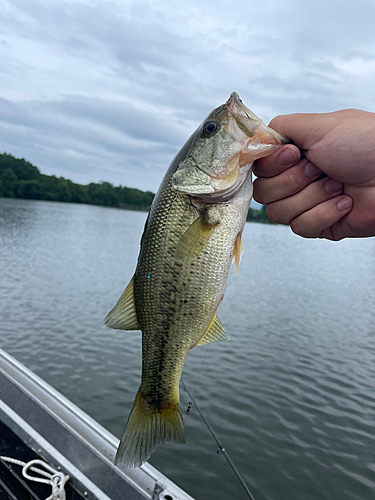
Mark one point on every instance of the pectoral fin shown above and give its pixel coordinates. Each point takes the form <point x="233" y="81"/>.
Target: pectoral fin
<point x="214" y="333"/>
<point x="123" y="316"/>
<point x="195" y="238"/>
<point x="237" y="253"/>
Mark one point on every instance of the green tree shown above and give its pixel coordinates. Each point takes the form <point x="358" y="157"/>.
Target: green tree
<point x="22" y="168"/>
<point x="78" y="193"/>
<point x="63" y="192"/>
<point x="28" y="189"/>
<point x="9" y="182"/>
<point x="103" y="194"/>
<point x="49" y="187"/>
<point x="130" y="197"/>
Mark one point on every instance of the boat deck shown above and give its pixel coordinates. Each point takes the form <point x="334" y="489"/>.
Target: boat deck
<point x="42" y="423"/>
<point x="12" y="484"/>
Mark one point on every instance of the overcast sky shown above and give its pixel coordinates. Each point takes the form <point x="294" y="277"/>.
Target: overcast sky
<point x="110" y="90"/>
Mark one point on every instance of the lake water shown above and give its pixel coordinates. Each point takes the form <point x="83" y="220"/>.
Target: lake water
<point x="291" y="396"/>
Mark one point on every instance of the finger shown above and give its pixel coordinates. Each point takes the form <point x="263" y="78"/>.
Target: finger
<point x="287" y="209"/>
<point x="312" y="223"/>
<point x="286" y="184"/>
<point x="276" y="163"/>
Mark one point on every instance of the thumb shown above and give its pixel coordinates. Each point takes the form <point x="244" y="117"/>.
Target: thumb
<point x="303" y="129"/>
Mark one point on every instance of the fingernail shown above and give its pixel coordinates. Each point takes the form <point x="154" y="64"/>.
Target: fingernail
<point x="288" y="157"/>
<point x="344" y="203"/>
<point x="332" y="186"/>
<point x="311" y="170"/>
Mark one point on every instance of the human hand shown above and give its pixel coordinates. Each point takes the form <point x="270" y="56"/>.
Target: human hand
<point x="340" y="145"/>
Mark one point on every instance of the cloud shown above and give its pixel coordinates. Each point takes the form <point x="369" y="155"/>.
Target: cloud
<point x="108" y="90"/>
<point x="81" y="135"/>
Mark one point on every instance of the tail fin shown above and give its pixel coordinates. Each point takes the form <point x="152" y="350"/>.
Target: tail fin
<point x="145" y="430"/>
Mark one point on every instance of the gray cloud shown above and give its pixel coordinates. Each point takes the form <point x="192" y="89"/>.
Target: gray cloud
<point x="111" y="90"/>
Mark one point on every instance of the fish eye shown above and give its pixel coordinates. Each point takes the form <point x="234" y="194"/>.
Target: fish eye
<point x="210" y="127"/>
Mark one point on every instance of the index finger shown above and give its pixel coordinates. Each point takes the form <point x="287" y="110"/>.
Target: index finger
<point x="282" y="159"/>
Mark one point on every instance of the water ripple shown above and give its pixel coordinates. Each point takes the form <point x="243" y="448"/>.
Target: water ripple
<point x="291" y="396"/>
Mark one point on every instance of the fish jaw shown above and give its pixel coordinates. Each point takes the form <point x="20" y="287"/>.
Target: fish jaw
<point x="244" y="126"/>
<point x="214" y="161"/>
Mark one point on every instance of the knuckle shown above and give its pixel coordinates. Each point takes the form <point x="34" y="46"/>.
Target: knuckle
<point x="293" y="181"/>
<point x="324" y="215"/>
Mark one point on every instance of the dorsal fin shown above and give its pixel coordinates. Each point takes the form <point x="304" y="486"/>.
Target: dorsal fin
<point x="123" y="316"/>
<point x="214" y="333"/>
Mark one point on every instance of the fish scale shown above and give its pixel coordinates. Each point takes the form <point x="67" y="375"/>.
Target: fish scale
<point x="192" y="233"/>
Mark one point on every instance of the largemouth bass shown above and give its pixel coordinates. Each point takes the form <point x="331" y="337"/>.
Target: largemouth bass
<point x="192" y="234"/>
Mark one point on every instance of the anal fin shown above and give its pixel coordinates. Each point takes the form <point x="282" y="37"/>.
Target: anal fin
<point x="214" y="333"/>
<point x="123" y="316"/>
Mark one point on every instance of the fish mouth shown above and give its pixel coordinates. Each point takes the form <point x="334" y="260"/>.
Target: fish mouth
<point x="235" y="106"/>
<point x="253" y="127"/>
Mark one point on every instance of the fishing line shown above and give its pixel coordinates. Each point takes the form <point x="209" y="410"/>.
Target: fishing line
<point x="221" y="449"/>
<point x="203" y="362"/>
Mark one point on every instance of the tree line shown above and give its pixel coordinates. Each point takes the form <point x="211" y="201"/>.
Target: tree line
<point x="21" y="179"/>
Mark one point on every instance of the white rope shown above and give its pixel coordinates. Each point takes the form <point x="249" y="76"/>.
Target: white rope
<point x="55" y="478"/>
<point x="22" y="464"/>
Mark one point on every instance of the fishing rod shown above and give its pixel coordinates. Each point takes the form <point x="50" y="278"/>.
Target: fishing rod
<point x="221" y="449"/>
